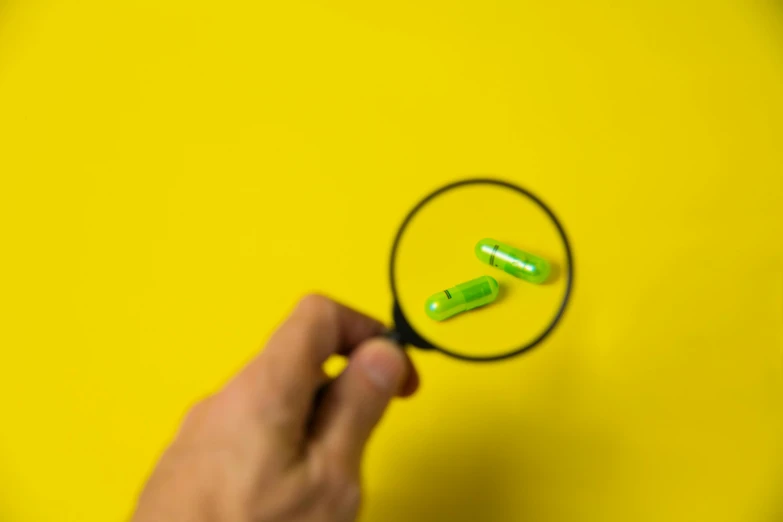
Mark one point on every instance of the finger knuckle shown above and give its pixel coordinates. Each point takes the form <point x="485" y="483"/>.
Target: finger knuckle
<point x="198" y="411"/>
<point x="317" y="306"/>
<point x="196" y="420"/>
<point x="277" y="415"/>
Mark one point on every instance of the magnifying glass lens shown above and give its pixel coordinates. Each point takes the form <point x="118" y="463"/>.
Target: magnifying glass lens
<point x="481" y="270"/>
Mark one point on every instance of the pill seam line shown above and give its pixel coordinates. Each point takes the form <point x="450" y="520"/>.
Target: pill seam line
<point x="492" y="256"/>
<point x="448" y="295"/>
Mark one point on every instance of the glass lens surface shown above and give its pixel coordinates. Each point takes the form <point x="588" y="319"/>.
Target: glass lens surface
<point x="480" y="270"/>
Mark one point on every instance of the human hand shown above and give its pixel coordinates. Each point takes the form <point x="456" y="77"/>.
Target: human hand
<point x="263" y="449"/>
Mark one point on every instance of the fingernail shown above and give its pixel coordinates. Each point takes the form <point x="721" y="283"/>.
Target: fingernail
<point x="383" y="370"/>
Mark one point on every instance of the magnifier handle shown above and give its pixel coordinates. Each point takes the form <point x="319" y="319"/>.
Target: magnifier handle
<point x="406" y="336"/>
<point x="394" y="336"/>
<point x="402" y="333"/>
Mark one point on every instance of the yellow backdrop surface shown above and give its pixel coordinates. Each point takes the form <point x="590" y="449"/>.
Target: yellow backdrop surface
<point x="174" y="175"/>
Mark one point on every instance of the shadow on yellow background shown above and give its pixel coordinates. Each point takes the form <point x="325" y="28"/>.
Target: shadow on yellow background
<point x="175" y="175"/>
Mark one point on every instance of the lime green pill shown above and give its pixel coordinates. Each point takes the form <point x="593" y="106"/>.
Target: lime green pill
<point x="513" y="261"/>
<point x="461" y="298"/>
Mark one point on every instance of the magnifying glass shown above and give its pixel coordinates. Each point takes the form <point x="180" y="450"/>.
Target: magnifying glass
<point x="480" y="270"/>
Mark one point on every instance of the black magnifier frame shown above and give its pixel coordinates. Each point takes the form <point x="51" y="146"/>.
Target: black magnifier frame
<point x="403" y="333"/>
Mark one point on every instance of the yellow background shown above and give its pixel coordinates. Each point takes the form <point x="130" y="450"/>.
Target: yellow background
<point x="175" y="174"/>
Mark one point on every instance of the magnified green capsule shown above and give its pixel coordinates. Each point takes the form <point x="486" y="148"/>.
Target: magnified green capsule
<point x="513" y="261"/>
<point x="461" y="298"/>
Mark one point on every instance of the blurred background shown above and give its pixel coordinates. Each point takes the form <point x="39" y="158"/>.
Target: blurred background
<point x="175" y="175"/>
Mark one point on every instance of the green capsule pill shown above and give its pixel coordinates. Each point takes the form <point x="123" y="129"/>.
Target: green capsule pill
<point x="461" y="298"/>
<point x="513" y="261"/>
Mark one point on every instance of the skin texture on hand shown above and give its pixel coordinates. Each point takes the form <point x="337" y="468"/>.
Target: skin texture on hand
<point x="263" y="449"/>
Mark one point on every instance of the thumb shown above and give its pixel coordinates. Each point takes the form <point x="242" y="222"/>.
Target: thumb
<point x="356" y="400"/>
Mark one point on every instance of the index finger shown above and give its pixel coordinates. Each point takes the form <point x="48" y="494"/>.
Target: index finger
<point x="286" y="374"/>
